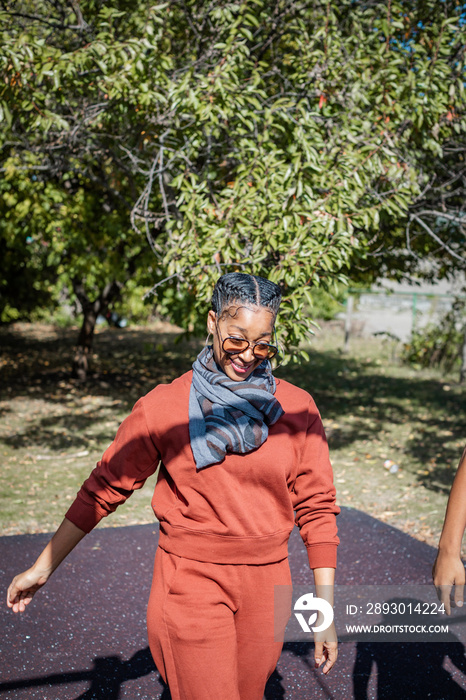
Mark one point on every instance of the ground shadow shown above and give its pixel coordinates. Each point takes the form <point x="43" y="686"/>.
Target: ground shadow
<point x="410" y="670"/>
<point x="125" y="363"/>
<point x="405" y="670"/>
<point x="57" y="433"/>
<point x="105" y="678"/>
<point x="348" y="386"/>
<point x="412" y="667"/>
<point x="109" y="673"/>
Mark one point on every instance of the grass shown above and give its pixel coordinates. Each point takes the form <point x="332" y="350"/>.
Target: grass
<point x="53" y="430"/>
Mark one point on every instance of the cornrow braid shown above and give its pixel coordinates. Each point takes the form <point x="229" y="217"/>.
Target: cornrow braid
<point x="248" y="289"/>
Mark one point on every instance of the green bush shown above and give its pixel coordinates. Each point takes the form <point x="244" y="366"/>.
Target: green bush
<point x="325" y="304"/>
<point x="439" y="344"/>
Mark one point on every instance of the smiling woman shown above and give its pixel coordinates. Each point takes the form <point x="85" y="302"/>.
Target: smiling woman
<point x="247" y="330"/>
<point x="242" y="458"/>
<point x="245" y="307"/>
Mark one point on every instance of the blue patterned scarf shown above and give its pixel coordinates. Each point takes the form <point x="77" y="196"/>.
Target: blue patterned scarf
<point x="228" y="416"/>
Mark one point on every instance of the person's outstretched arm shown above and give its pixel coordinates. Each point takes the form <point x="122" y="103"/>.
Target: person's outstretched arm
<point x="325" y="642"/>
<point x="25" y="585"/>
<point x="448" y="569"/>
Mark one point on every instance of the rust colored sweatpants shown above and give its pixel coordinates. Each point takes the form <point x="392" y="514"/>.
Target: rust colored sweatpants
<point x="211" y="626"/>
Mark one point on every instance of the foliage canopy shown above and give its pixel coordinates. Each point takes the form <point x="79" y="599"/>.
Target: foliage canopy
<point x="290" y="138"/>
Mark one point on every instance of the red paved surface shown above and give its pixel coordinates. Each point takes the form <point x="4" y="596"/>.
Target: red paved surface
<point x="84" y="635"/>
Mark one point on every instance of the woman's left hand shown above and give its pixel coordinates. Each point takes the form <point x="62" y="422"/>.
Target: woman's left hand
<point x="449" y="578"/>
<point x="326" y="648"/>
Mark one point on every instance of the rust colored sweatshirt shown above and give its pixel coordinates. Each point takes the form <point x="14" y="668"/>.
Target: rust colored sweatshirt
<point x="240" y="511"/>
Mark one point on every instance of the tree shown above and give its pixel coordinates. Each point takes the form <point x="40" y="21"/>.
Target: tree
<point x="287" y="137"/>
<point x="313" y="132"/>
<point x="67" y="194"/>
<point x="429" y="241"/>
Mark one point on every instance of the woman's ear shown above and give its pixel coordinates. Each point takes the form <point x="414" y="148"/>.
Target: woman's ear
<point x="211" y="321"/>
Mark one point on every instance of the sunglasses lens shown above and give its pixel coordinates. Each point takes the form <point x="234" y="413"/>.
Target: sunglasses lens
<point x="263" y="351"/>
<point x="234" y="345"/>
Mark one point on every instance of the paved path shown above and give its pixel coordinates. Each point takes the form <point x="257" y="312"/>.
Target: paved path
<point x="84" y="638"/>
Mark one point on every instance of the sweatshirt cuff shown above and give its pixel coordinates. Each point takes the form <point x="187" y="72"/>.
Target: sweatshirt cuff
<point x="83" y="515"/>
<point x="322" y="556"/>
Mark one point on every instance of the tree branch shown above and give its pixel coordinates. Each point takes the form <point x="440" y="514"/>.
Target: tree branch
<point x="433" y="235"/>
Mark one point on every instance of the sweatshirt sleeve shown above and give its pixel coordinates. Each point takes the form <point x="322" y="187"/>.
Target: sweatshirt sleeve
<point x="314" y="495"/>
<point x="126" y="464"/>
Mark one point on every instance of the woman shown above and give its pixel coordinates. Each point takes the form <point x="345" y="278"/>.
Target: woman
<point x="240" y="455"/>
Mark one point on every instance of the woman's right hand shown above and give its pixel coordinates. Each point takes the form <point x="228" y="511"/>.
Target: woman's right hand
<point x="23" y="587"/>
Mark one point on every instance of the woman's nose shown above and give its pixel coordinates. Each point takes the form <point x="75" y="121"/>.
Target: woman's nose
<point x="247" y="355"/>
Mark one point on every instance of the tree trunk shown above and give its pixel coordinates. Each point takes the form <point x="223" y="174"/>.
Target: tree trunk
<point x="91" y="309"/>
<point x="348" y="319"/>
<point x="463" y="359"/>
<point x="84" y="345"/>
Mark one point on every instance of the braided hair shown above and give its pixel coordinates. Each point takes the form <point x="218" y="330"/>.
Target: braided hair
<point x="247" y="289"/>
